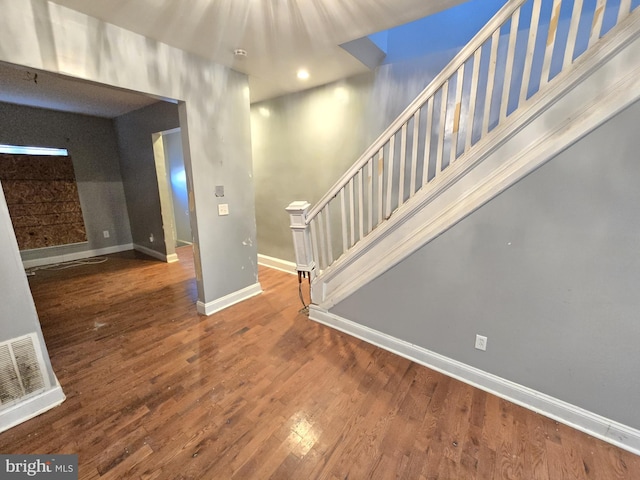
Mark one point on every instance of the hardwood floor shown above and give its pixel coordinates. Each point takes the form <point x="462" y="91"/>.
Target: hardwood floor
<point x="257" y="391"/>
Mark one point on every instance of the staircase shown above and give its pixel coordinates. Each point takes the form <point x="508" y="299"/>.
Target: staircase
<point x="537" y="77"/>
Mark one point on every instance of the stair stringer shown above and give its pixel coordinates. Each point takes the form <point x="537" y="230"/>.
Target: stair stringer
<point x="601" y="83"/>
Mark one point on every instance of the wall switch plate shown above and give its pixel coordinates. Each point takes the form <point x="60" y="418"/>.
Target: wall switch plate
<point x="223" y="209"/>
<point x="481" y="342"/>
<point x="105" y="233"/>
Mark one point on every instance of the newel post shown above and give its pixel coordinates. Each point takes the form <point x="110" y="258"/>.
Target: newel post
<point x="301" y="236"/>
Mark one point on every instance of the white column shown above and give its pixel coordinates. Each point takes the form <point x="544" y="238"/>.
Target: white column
<point x="301" y="236"/>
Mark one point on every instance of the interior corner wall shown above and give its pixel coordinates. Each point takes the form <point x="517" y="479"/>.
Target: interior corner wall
<point x="548" y="271"/>
<point x="301" y="143"/>
<point x="91" y="142"/>
<point x="138" y="167"/>
<point x="214" y="116"/>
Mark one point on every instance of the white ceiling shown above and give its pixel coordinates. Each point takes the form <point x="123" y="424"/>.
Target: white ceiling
<point x="280" y="36"/>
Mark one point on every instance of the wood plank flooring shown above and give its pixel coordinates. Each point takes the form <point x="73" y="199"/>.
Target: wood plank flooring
<point x="257" y="391"/>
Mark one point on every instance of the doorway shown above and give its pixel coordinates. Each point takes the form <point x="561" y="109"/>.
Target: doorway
<point x="172" y="186"/>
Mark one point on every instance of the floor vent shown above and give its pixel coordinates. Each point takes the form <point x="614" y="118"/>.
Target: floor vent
<point x="21" y="371"/>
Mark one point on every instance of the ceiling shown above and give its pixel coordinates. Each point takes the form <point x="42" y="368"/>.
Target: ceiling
<point x="279" y="36"/>
<point x="40" y="89"/>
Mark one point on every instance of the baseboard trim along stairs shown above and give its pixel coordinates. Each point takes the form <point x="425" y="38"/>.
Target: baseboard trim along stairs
<point x="590" y="423"/>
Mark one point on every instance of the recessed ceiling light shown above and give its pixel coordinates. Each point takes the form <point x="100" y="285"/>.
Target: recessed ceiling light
<point x="303" y="74"/>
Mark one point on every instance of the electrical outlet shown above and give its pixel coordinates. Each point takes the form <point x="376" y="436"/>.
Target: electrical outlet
<point x="481" y="342"/>
<point x="223" y="209"/>
<point x="105" y="233"/>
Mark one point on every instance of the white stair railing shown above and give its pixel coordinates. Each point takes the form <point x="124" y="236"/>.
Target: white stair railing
<point x="515" y="55"/>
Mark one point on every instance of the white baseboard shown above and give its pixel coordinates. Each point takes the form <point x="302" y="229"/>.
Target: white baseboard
<point x="172" y="258"/>
<point x="277" y="263"/>
<point x="69" y="257"/>
<point x="221" y="303"/>
<point x="155" y="254"/>
<point x="588" y="422"/>
<point x="31" y="407"/>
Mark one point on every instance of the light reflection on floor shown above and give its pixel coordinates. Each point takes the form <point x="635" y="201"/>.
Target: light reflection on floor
<point x="302" y="437"/>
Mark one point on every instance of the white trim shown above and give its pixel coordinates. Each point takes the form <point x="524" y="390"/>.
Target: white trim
<point x="170" y="131"/>
<point x="31" y="407"/>
<point x="461" y="57"/>
<point x="588" y="422"/>
<point x="166" y="197"/>
<point x="277" y="263"/>
<point x="153" y="253"/>
<point x="69" y="257"/>
<point x="221" y="303"/>
<point x="604" y="81"/>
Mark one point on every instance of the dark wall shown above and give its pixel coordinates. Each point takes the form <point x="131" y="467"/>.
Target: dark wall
<point x="139" y="169"/>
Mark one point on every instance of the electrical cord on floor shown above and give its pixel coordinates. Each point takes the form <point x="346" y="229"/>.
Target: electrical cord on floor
<point x="305" y="307"/>
<point x="64" y="265"/>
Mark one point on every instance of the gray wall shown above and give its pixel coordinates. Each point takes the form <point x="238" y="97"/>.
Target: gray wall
<point x="17" y="311"/>
<point x="139" y="169"/>
<point x="304" y="142"/>
<point x="92" y="145"/>
<point x="548" y="271"/>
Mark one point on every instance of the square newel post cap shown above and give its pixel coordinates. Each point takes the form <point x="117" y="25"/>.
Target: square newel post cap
<point x="300" y="206"/>
<point x="298" y="213"/>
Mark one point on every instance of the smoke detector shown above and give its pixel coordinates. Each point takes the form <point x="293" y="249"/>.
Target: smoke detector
<point x="240" y="53"/>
